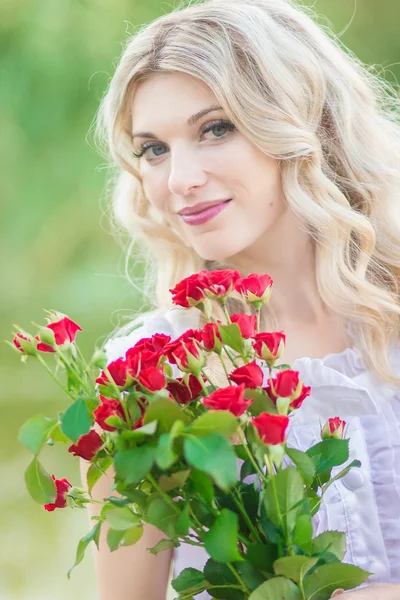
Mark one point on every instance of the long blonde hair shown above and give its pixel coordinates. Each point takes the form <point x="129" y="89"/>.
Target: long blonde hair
<point x="288" y="85"/>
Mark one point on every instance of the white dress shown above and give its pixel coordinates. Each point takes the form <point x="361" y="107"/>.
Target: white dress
<point x="366" y="502"/>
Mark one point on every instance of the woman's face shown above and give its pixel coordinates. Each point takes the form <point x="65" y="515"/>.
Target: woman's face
<point x="183" y="165"/>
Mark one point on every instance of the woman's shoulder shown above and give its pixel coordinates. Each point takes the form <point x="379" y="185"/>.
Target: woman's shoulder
<point x="171" y="321"/>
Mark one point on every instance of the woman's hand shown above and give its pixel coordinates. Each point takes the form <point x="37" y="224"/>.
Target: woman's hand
<point x="378" y="591"/>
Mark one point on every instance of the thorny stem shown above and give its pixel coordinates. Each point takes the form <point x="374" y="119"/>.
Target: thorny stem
<point x="45" y="365"/>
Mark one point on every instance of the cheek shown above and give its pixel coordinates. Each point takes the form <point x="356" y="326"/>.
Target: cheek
<point x="155" y="188"/>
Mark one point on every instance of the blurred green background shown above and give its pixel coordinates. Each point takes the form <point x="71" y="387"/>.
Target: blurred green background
<point x="56" y="247"/>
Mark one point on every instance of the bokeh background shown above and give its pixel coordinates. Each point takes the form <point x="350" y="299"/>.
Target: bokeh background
<point x="57" y="250"/>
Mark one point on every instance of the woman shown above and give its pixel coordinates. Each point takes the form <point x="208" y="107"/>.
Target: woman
<point x="248" y="106"/>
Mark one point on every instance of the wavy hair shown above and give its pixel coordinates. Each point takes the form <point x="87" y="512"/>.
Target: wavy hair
<point x="291" y="88"/>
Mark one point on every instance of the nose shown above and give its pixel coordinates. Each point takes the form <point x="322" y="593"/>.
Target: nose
<point x="186" y="171"/>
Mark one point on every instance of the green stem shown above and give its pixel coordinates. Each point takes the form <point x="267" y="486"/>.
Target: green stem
<point x="258" y="319"/>
<point x="203" y="385"/>
<point x="50" y="372"/>
<point x="253" y="462"/>
<point x="278" y="509"/>
<point x="245" y="516"/>
<point x="240" y="580"/>
<point x="224" y="367"/>
<point x="71" y="365"/>
<point x="233" y="360"/>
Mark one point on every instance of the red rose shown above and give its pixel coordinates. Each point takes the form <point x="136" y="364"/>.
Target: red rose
<point x="152" y="379"/>
<point x="183" y="393"/>
<point x="287" y="384"/>
<point x="251" y="375"/>
<point x="269" y="345"/>
<point x="64" y="331"/>
<point x="62" y="487"/>
<point x="220" y="283"/>
<point x="230" y="398"/>
<point x="255" y="287"/>
<point x="189" y="291"/>
<point x="154" y="343"/>
<point x="118" y="371"/>
<point x="333" y="429"/>
<point x="87" y="446"/>
<point x="109" y="407"/>
<point x="271" y="428"/>
<point x="210" y="337"/>
<point x="138" y="359"/>
<point x="246" y="323"/>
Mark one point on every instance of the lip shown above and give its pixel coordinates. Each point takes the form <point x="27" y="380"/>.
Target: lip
<point x="200" y="206"/>
<point x="205" y="215"/>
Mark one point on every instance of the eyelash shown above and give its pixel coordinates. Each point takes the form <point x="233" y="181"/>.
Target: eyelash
<point x="209" y="127"/>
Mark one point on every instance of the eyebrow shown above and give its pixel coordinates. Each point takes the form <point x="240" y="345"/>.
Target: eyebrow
<point x="191" y="121"/>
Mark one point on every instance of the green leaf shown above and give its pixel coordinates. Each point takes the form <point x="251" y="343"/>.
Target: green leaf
<point x="277" y="587"/>
<point x="303" y="533"/>
<point x="39" y="483"/>
<point x="165" y="455"/>
<point x="133" y="465"/>
<point x="122" y="518"/>
<point x="221" y="541"/>
<point x="328" y="454"/>
<point x="128" y="537"/>
<point x="96" y="470"/>
<point x="93" y="535"/>
<point x="294" y="567"/>
<point x="35" y="432"/>
<point x="281" y="498"/>
<point x="330" y="541"/>
<point x="76" y="421"/>
<point x="214" y="421"/>
<point x="58" y="436"/>
<point x="202" y="484"/>
<point x="262" y="556"/>
<point x="163" y="515"/>
<point x="140" y="435"/>
<point x="326" y="579"/>
<point x="218" y="574"/>
<point x="183" y="522"/>
<point x="166" y="412"/>
<point x="250" y="575"/>
<point x="188" y="580"/>
<point x="231" y="336"/>
<point x="169" y="482"/>
<point x="304" y="464"/>
<point x="261" y="402"/>
<point x="161" y="546"/>
<point x="214" y="455"/>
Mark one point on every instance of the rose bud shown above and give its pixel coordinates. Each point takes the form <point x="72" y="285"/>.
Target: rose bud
<point x="229" y="398"/>
<point x="271" y="428"/>
<point x="189" y="291"/>
<point x="87" y="446"/>
<point x="25" y="343"/>
<point x="220" y="283"/>
<point x="269" y="345"/>
<point x="255" y="289"/>
<point x="211" y="338"/>
<point x="118" y="371"/>
<point x="109" y="407"/>
<point x="333" y="429"/>
<point x="185" y="393"/>
<point x="64" y="330"/>
<point x="152" y="379"/>
<point x="251" y="375"/>
<point x="246" y="323"/>
<point x="62" y="487"/>
<point x="280" y="390"/>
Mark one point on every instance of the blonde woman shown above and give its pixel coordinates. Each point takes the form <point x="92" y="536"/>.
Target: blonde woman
<point x="243" y="136"/>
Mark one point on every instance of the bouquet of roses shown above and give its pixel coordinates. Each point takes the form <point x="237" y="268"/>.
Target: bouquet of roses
<point x="208" y="465"/>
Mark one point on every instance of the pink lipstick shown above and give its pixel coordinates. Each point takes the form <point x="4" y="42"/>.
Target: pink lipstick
<point x="205" y="215"/>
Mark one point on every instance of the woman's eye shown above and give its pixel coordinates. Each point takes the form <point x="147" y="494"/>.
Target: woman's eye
<point x="219" y="128"/>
